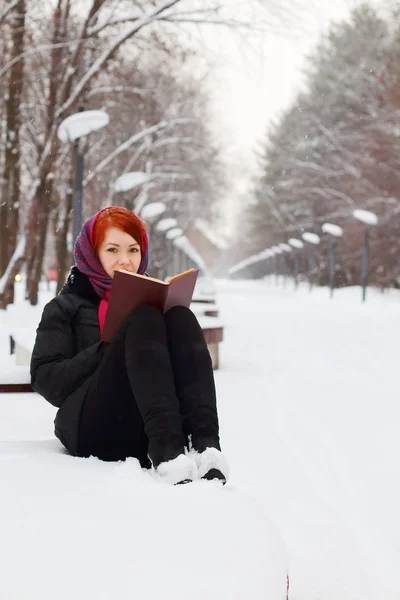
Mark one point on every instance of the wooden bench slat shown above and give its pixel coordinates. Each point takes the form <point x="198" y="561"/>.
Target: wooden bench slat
<point x="18" y="388"/>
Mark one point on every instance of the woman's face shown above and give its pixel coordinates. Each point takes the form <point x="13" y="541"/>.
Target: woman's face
<point x="119" y="250"/>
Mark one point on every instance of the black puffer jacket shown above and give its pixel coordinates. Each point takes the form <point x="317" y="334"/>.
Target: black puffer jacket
<point x="67" y="352"/>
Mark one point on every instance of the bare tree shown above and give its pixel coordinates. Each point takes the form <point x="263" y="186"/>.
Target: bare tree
<point x="72" y="54"/>
<point x="338" y="148"/>
<point x="10" y="188"/>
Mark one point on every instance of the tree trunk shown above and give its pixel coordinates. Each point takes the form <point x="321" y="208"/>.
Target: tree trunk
<point x="63" y="255"/>
<point x="10" y="193"/>
<point x="4" y="298"/>
<point x="38" y="224"/>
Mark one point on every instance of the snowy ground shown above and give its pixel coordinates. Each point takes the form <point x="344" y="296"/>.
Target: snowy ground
<point x="309" y="420"/>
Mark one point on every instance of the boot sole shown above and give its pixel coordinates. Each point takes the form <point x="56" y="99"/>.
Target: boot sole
<point x="215" y="474"/>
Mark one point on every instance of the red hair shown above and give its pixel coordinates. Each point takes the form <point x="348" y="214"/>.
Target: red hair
<point x="120" y="218"/>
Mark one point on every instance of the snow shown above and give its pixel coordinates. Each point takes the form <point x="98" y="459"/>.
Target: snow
<point x="185" y="246"/>
<point x="295" y="243"/>
<point x="267" y="253"/>
<point x="174" y="233"/>
<point x="80" y="124"/>
<point x="200" y="307"/>
<point x="332" y="229"/>
<point x="10" y="372"/>
<point x="128" y="181"/>
<point x="212" y="236"/>
<point x="309" y="412"/>
<point x="153" y="210"/>
<point x="311" y="238"/>
<point x="365" y="216"/>
<point x="166" y="224"/>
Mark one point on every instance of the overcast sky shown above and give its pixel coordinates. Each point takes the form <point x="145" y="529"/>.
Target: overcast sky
<point x="255" y="77"/>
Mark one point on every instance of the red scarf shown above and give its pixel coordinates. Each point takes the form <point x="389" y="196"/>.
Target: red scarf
<point x="101" y="313"/>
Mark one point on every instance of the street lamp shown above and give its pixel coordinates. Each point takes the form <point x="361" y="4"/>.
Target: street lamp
<point x="171" y="235"/>
<point x="71" y="130"/>
<point x="335" y="232"/>
<point x="151" y="211"/>
<point x="166" y="224"/>
<point x="128" y="181"/>
<point x="312" y="240"/>
<point x="296" y="245"/>
<point x="162" y="246"/>
<point x="369" y="219"/>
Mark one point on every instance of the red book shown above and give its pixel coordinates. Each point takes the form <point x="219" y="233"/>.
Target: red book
<point x="130" y="290"/>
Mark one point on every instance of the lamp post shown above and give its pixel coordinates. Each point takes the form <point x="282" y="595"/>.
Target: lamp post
<point x="277" y="253"/>
<point x="335" y="232"/>
<point x="162" y="227"/>
<point x="171" y="235"/>
<point x="296" y="245"/>
<point x="312" y="240"/>
<point x="264" y="256"/>
<point x="71" y="130"/>
<point x="269" y="253"/>
<point x="369" y="219"/>
<point x="285" y="250"/>
<point x="150" y="213"/>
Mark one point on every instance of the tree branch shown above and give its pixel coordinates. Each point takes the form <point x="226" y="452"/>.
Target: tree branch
<point x="125" y="145"/>
<point x="142" y="22"/>
<point x="13" y="4"/>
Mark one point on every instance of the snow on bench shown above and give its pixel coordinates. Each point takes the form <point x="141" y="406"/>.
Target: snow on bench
<point x="24" y="340"/>
<point x="209" y="309"/>
<point x="13" y="377"/>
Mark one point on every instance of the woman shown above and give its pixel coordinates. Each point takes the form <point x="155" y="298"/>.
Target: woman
<point x="150" y="393"/>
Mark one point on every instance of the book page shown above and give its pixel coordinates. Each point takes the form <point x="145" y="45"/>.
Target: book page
<point x="145" y="276"/>
<point x="180" y="291"/>
<point x="175" y="277"/>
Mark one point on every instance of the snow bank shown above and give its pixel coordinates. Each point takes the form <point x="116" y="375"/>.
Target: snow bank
<point x="82" y="528"/>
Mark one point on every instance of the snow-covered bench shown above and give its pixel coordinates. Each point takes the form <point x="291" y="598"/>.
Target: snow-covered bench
<point x="15" y="376"/>
<point x="206" y="308"/>
<point x="23" y="340"/>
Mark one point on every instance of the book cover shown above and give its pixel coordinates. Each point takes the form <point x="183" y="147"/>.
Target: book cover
<point x="130" y="290"/>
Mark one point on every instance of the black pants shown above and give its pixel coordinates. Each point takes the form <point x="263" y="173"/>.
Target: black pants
<point x="153" y="388"/>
